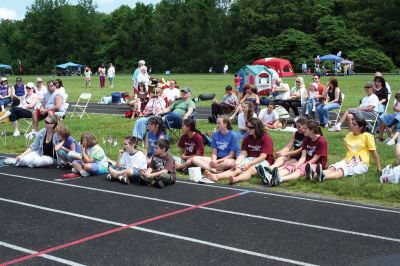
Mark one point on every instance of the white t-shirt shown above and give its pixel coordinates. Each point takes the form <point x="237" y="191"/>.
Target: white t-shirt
<point x="41" y="93"/>
<point x="143" y="78"/>
<point x="370" y="100"/>
<point x="268" y="118"/>
<point x="241" y="120"/>
<point x="282" y="95"/>
<point x="137" y="160"/>
<point x="111" y="72"/>
<point x="172" y="95"/>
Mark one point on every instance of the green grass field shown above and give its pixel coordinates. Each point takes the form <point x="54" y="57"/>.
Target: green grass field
<point x="364" y="188"/>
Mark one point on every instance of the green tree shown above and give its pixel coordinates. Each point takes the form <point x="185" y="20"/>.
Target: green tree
<point x="371" y="60"/>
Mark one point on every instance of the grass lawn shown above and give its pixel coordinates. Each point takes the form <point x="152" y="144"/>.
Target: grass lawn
<point x="365" y="188"/>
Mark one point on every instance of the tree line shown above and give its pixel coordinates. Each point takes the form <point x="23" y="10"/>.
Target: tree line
<point x="193" y="35"/>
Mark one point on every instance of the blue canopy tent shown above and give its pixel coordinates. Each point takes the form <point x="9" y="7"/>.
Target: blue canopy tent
<point x="68" y="65"/>
<point x="3" y="66"/>
<point x="330" y="57"/>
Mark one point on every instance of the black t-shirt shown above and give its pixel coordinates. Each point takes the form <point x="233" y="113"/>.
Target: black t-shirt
<point x="48" y="148"/>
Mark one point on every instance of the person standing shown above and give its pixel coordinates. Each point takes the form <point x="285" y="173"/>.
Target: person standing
<point x="135" y="83"/>
<point x="111" y="74"/>
<point x="226" y="68"/>
<point x="88" y="77"/>
<point x="102" y="75"/>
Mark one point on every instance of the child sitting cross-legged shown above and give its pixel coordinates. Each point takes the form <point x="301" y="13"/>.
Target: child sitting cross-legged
<point x="161" y="170"/>
<point x="129" y="164"/>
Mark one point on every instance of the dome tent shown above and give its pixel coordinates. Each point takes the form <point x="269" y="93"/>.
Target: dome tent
<point x="282" y="66"/>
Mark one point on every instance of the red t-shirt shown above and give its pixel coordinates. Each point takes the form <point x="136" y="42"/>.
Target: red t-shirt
<point x="192" y="145"/>
<point x="255" y="147"/>
<point x="316" y="147"/>
<point x="321" y="88"/>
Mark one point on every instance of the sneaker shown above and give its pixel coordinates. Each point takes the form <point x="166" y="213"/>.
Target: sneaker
<point x="73" y="170"/>
<point x="84" y="173"/>
<point x="205" y="180"/>
<point x="275" y="180"/>
<point x="320" y="173"/>
<point x="261" y="172"/>
<point x="124" y="179"/>
<point x="109" y="177"/>
<point x="335" y="128"/>
<point x="326" y="125"/>
<point x="309" y="172"/>
<point x="16" y="133"/>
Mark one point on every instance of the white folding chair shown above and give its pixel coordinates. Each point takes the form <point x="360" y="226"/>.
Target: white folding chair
<point x="61" y="113"/>
<point x="374" y="123"/>
<point x="336" y="113"/>
<point x="81" y="105"/>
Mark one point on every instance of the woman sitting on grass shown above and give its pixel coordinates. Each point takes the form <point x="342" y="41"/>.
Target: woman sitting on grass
<point x="68" y="149"/>
<point x="191" y="144"/>
<point x="225" y="147"/>
<point x="289" y="154"/>
<point x="247" y="112"/>
<point x="41" y="152"/>
<point x="129" y="164"/>
<point x="358" y="144"/>
<point x="257" y="151"/>
<point x="94" y="160"/>
<point x="314" y="151"/>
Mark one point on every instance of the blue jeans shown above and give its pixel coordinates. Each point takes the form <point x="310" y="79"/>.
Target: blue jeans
<point x="323" y="111"/>
<point x="140" y="127"/>
<point x="5" y="101"/>
<point x="174" y="120"/>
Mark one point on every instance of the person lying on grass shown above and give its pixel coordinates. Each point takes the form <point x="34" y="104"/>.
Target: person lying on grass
<point x="314" y="151"/>
<point x="68" y="149"/>
<point x="358" y="144"/>
<point x="161" y="171"/>
<point x="288" y="155"/>
<point x="129" y="164"/>
<point x="225" y="148"/>
<point x="191" y="144"/>
<point x="94" y="160"/>
<point x="257" y="151"/>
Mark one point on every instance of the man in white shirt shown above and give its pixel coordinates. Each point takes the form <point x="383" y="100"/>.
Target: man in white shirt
<point x="270" y="117"/>
<point x="111" y="74"/>
<point x="171" y="92"/>
<point x="367" y="110"/>
<point x="280" y="92"/>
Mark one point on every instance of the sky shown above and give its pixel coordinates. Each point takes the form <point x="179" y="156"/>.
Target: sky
<point x="15" y="9"/>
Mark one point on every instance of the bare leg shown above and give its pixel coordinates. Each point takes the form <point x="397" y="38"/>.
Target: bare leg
<point x="341" y="121"/>
<point x="77" y="166"/>
<point x="203" y="162"/>
<point x="223" y="175"/>
<point x="246" y="175"/>
<point x="349" y="118"/>
<point x="184" y="165"/>
<point x="331" y="173"/>
<point x="35" y="121"/>
<point x="280" y="161"/>
<point x="292" y="176"/>
<point x="226" y="164"/>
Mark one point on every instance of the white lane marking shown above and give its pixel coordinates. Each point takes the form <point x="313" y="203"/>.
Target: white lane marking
<point x="66" y="179"/>
<point x="294" y="197"/>
<point x="198" y="241"/>
<point x="49" y="257"/>
<point x="219" y="210"/>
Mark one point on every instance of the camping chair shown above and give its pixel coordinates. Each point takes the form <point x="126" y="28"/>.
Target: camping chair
<point x="81" y="105"/>
<point x="60" y="114"/>
<point x="373" y="124"/>
<point x="336" y="113"/>
<point x="174" y="131"/>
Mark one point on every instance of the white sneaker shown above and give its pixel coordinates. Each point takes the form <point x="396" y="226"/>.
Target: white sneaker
<point x="391" y="142"/>
<point x="84" y="173"/>
<point x="327" y="125"/>
<point x="16" y="133"/>
<point x="335" y="128"/>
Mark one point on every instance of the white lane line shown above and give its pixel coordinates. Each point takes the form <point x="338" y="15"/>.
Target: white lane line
<point x="294" y="197"/>
<point x="194" y="240"/>
<point x="66" y="179"/>
<point x="219" y="210"/>
<point x="49" y="257"/>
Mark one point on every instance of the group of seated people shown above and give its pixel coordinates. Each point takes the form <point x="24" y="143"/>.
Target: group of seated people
<point x="306" y="153"/>
<point x="31" y="101"/>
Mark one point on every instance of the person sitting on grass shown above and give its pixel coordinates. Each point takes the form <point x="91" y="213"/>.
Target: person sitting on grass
<point x="228" y="105"/>
<point x="191" y="144"/>
<point x="161" y="170"/>
<point x="23" y="110"/>
<point x="129" y="164"/>
<point x="291" y="153"/>
<point x="68" y="149"/>
<point x="270" y="117"/>
<point x="247" y="112"/>
<point x="94" y="160"/>
<point x="314" y="151"/>
<point x="358" y="144"/>
<point x="225" y="148"/>
<point x="256" y="151"/>
<point x="41" y="152"/>
<point x="367" y="110"/>
<point x="156" y="131"/>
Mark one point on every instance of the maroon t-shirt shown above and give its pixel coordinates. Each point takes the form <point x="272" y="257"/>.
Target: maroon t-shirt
<point x="192" y="145"/>
<point x="316" y="147"/>
<point x="255" y="147"/>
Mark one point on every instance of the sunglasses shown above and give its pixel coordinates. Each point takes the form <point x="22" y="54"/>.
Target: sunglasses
<point x="48" y="122"/>
<point x="28" y="88"/>
<point x="251" y="127"/>
<point x="297" y="81"/>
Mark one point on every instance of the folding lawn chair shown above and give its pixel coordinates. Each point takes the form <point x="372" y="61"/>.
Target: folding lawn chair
<point x="336" y="113"/>
<point x="81" y="105"/>
<point x="174" y="131"/>
<point x="373" y="124"/>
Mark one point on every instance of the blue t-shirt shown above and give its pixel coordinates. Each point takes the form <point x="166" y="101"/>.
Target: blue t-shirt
<point x="69" y="141"/>
<point x="225" y="143"/>
<point x="151" y="138"/>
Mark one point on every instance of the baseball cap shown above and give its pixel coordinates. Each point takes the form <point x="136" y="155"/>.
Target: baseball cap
<point x="186" y="90"/>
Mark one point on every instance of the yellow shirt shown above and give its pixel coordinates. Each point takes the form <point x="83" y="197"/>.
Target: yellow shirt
<point x="359" y="147"/>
